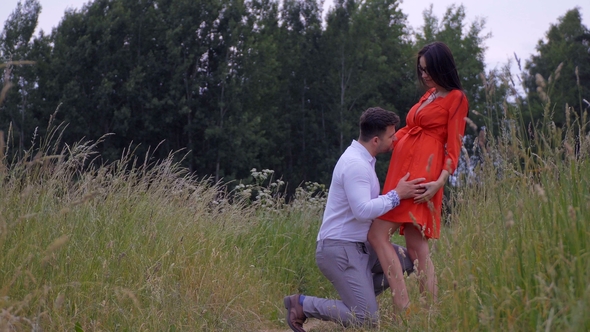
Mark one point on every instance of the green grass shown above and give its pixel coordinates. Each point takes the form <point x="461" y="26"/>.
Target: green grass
<point x="141" y="245"/>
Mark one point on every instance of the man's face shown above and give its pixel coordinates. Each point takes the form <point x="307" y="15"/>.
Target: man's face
<point x="386" y="140"/>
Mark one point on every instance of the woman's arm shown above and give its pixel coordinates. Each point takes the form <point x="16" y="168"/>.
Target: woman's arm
<point x="458" y="110"/>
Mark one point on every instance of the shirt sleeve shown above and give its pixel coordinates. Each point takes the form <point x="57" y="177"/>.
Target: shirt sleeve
<point x="357" y="185"/>
<point x="458" y="109"/>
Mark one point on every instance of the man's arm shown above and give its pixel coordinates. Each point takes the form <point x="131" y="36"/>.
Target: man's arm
<point x="409" y="189"/>
<point x="357" y="185"/>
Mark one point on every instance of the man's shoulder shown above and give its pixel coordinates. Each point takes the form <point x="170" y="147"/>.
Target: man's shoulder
<point x="351" y="156"/>
<point x="351" y="163"/>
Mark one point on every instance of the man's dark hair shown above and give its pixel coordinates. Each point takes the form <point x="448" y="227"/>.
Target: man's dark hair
<point x="440" y="66"/>
<point x="374" y="122"/>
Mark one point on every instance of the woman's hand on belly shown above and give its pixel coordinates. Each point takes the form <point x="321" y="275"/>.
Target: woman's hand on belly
<point x="430" y="189"/>
<point x="409" y="189"/>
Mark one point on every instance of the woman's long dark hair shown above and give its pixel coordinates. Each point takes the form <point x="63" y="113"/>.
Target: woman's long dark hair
<point x="440" y="66"/>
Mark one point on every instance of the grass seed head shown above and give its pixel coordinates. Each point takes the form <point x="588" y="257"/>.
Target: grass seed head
<point x="541" y="192"/>
<point x="2" y="147"/>
<point x="540" y="81"/>
<point x="59" y="301"/>
<point x="509" y="219"/>
<point x="558" y="71"/>
<point x="571" y="212"/>
<point x="542" y="94"/>
<point x="449" y="163"/>
<point x="471" y="123"/>
<point x="429" y="164"/>
<point x="57" y="243"/>
<point x="569" y="151"/>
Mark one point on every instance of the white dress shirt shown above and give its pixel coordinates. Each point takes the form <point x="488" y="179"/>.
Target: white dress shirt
<point x="353" y="198"/>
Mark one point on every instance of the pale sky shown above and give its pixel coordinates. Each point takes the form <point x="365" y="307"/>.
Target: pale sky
<point x="516" y="25"/>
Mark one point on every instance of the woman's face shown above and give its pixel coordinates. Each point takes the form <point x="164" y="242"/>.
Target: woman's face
<point x="424" y="72"/>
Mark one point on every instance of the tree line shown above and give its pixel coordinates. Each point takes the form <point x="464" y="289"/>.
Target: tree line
<point x="242" y="84"/>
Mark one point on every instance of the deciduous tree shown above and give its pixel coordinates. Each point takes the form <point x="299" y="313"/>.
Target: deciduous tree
<point x="560" y="73"/>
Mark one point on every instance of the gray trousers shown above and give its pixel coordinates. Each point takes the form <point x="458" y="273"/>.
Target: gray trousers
<point x="355" y="272"/>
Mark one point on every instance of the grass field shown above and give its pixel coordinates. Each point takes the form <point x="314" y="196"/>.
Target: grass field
<point x="141" y="245"/>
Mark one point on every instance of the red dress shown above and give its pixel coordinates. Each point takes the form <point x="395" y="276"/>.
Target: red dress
<point x="430" y="140"/>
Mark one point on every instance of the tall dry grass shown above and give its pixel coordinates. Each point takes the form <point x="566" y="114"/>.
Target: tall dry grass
<point x="142" y="245"/>
<point x="515" y="255"/>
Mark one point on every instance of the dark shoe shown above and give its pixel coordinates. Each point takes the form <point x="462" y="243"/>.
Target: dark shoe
<point x="295" y="315"/>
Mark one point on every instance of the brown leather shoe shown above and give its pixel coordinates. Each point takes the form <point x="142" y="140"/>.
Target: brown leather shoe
<point x="295" y="315"/>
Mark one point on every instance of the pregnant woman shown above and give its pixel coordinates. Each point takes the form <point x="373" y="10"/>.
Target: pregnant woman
<point x="427" y="147"/>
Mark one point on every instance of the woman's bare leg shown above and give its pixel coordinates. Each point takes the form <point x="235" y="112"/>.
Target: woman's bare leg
<point x="379" y="238"/>
<point x="418" y="249"/>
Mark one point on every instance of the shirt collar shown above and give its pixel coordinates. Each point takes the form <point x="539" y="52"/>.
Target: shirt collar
<point x="363" y="151"/>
